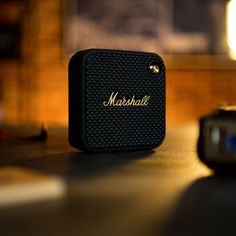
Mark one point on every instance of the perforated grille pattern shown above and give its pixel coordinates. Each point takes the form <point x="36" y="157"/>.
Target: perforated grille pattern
<point x="114" y="127"/>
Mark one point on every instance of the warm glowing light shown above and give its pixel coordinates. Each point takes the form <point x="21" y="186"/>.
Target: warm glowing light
<point x="231" y="28"/>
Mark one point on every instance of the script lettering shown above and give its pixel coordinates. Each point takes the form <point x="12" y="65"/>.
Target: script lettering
<point x="115" y="100"/>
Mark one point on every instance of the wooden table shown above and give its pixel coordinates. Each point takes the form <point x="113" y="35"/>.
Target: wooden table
<point x="167" y="191"/>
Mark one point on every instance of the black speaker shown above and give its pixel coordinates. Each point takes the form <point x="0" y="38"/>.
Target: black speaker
<point x="116" y="100"/>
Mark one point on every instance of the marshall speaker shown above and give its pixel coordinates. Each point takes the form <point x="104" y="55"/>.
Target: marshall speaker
<point x="116" y="100"/>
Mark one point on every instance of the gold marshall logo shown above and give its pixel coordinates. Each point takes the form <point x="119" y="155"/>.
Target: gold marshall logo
<point x="115" y="101"/>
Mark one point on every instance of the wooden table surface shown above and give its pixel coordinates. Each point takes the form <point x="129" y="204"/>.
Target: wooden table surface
<point x="167" y="191"/>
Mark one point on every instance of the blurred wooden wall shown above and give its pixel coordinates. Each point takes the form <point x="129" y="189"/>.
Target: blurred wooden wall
<point x="34" y="88"/>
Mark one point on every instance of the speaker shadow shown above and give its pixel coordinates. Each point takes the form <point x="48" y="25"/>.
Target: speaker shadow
<point x="83" y="165"/>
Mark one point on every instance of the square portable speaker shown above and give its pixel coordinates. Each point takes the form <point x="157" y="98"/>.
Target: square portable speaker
<point x="116" y="100"/>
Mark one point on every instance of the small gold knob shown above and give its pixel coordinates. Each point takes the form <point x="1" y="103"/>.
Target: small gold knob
<point x="154" y="68"/>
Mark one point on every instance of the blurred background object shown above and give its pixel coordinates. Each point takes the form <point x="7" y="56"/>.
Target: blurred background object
<point x="231" y="30"/>
<point x="196" y="39"/>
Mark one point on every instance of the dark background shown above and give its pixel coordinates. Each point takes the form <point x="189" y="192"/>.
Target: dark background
<point x="38" y="37"/>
